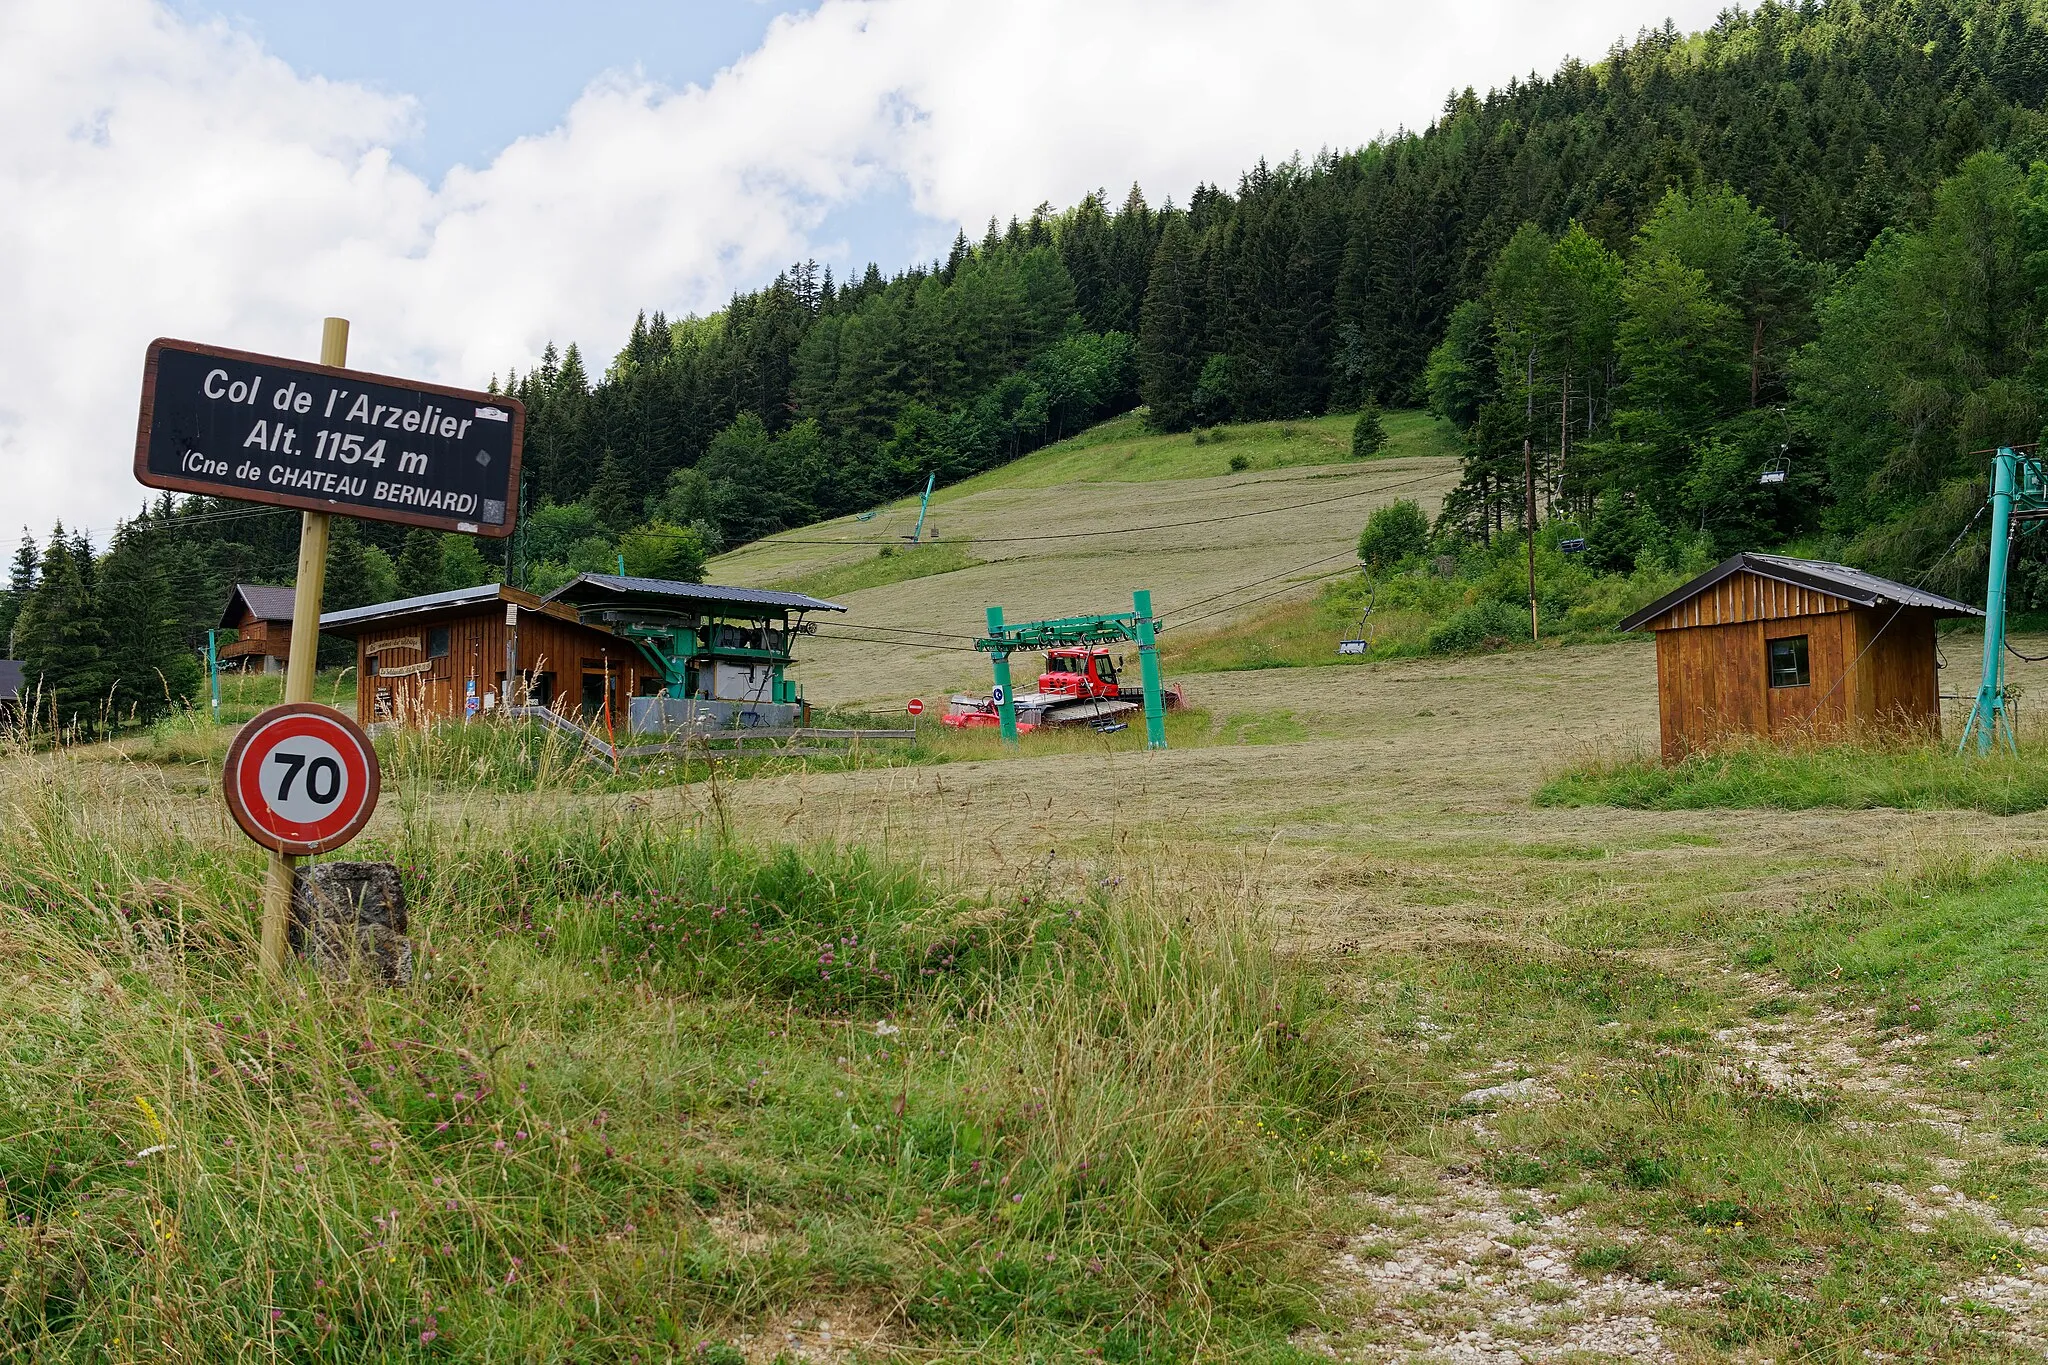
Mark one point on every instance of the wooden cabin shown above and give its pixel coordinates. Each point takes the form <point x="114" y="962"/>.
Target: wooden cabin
<point x="442" y="657"/>
<point x="12" y="689"/>
<point x="621" y="655"/>
<point x="261" y="617"/>
<point x="1791" y="649"/>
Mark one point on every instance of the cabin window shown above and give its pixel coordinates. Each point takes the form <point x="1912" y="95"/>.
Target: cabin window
<point x="1788" y="661"/>
<point x="437" y="643"/>
<point x="370" y="666"/>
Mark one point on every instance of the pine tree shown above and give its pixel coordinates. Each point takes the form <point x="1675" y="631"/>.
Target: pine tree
<point x="348" y="585"/>
<point x="62" y="641"/>
<point x="348" y="568"/>
<point x="1369" y="432"/>
<point x="145" y="664"/>
<point x="1169" y="330"/>
<point x="612" y="495"/>
<point x="21" y="579"/>
<point x="419" y="564"/>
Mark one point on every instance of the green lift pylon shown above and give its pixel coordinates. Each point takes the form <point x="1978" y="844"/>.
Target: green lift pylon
<point x="1135" y="625"/>
<point x="2019" y="489"/>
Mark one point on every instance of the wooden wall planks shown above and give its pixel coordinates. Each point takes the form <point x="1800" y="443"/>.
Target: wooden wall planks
<point x="554" y="655"/>
<point x="1869" y="670"/>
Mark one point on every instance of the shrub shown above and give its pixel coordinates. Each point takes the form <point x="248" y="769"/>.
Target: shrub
<point x="1483" y="625"/>
<point x="1392" y="534"/>
<point x="1240" y="462"/>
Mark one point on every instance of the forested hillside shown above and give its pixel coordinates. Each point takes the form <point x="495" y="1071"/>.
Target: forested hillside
<point x="1806" y="238"/>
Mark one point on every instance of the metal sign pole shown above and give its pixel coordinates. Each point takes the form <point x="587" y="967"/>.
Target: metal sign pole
<point x="300" y="669"/>
<point x="213" y="671"/>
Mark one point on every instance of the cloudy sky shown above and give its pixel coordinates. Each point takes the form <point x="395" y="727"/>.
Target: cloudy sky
<point x="466" y="181"/>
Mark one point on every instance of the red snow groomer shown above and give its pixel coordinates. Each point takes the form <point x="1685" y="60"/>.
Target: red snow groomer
<point x="1079" y="687"/>
<point x="1081" y="683"/>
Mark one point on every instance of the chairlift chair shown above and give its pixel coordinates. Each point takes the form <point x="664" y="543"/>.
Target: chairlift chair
<point x="1362" y="643"/>
<point x="1776" y="470"/>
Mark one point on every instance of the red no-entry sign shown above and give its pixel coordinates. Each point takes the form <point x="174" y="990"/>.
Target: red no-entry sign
<point x="916" y="707"/>
<point x="301" y="778"/>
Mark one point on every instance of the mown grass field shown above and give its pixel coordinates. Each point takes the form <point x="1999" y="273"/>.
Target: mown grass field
<point x="1077" y="527"/>
<point x="1394" y="1013"/>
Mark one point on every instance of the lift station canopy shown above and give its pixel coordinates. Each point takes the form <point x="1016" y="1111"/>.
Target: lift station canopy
<point x="710" y="643"/>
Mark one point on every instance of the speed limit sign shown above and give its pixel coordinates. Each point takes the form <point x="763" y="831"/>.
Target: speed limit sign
<point x="301" y="778"/>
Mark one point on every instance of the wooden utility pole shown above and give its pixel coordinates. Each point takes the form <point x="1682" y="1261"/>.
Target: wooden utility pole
<point x="300" y="670"/>
<point x="1529" y="483"/>
<point x="1564" y="433"/>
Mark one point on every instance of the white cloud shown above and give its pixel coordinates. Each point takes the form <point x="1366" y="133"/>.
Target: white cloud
<point x="161" y="177"/>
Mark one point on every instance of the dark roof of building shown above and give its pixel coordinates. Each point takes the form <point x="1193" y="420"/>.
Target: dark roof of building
<point x="1852" y="585"/>
<point x="348" y="622"/>
<point x="10" y="680"/>
<point x="595" y="591"/>
<point x="265" y="603"/>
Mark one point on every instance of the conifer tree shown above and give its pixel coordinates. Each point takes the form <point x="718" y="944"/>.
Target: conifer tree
<point x="21" y="579"/>
<point x="146" y="667"/>
<point x="1369" y="432"/>
<point x="612" y="494"/>
<point x="348" y="568"/>
<point x="1168" y="336"/>
<point x="348" y="585"/>
<point x="419" y="564"/>
<point x="62" y="641"/>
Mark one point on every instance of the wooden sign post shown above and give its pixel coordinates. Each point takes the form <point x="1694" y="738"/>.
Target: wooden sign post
<point x="300" y="669"/>
<point x="324" y="439"/>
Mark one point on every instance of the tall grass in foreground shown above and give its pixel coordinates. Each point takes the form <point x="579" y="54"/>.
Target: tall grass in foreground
<point x="651" y="1092"/>
<point x="1909" y="776"/>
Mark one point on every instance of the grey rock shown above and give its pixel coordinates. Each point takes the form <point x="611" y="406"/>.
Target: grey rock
<point x="349" y="918"/>
<point x="1502" y="1094"/>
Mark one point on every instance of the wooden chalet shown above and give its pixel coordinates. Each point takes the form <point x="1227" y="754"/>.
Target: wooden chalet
<point x="618" y="654"/>
<point x="442" y="657"/>
<point x="1788" y="649"/>
<point x="261" y="617"/>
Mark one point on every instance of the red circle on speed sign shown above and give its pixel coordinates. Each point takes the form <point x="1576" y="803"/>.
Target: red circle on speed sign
<point x="301" y="778"/>
<point x="916" y="707"/>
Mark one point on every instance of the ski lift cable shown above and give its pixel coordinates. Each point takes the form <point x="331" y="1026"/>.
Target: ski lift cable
<point x="898" y="630"/>
<point x="898" y="644"/>
<point x="1237" y="606"/>
<point x="1231" y="592"/>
